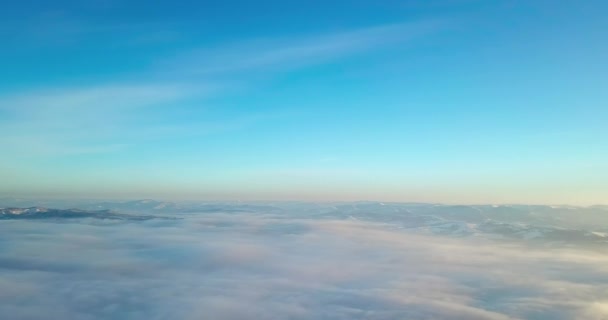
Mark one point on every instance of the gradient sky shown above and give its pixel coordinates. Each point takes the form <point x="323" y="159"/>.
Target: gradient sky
<point x="455" y="101"/>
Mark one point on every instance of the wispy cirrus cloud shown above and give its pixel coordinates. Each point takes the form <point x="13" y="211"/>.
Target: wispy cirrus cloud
<point x="84" y="120"/>
<point x="290" y="53"/>
<point x="108" y="117"/>
<point x="114" y="97"/>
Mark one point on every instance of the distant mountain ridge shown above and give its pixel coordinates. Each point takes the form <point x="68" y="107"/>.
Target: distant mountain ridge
<point x="153" y="206"/>
<point x="552" y="225"/>
<point x="556" y="225"/>
<point x="48" y="213"/>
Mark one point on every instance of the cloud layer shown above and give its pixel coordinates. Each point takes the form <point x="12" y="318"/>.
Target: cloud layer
<point x="262" y="266"/>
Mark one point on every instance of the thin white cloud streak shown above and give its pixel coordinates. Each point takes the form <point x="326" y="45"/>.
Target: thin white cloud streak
<point x="107" y="117"/>
<point x="103" y="99"/>
<point x="289" y="53"/>
<point x="84" y="120"/>
<point x="102" y="119"/>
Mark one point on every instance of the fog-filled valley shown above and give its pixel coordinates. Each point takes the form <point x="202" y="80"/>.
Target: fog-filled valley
<point x="294" y="260"/>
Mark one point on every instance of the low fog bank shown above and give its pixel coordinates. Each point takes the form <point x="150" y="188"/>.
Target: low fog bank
<point x="244" y="265"/>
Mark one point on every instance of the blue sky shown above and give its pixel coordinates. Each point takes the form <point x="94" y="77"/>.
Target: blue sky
<point x="456" y="101"/>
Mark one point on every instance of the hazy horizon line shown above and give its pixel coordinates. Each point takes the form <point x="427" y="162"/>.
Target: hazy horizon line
<point x="311" y="201"/>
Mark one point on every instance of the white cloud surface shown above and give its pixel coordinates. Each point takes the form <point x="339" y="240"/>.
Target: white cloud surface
<point x="261" y="266"/>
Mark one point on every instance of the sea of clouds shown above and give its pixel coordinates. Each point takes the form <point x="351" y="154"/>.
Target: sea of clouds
<point x="270" y="266"/>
